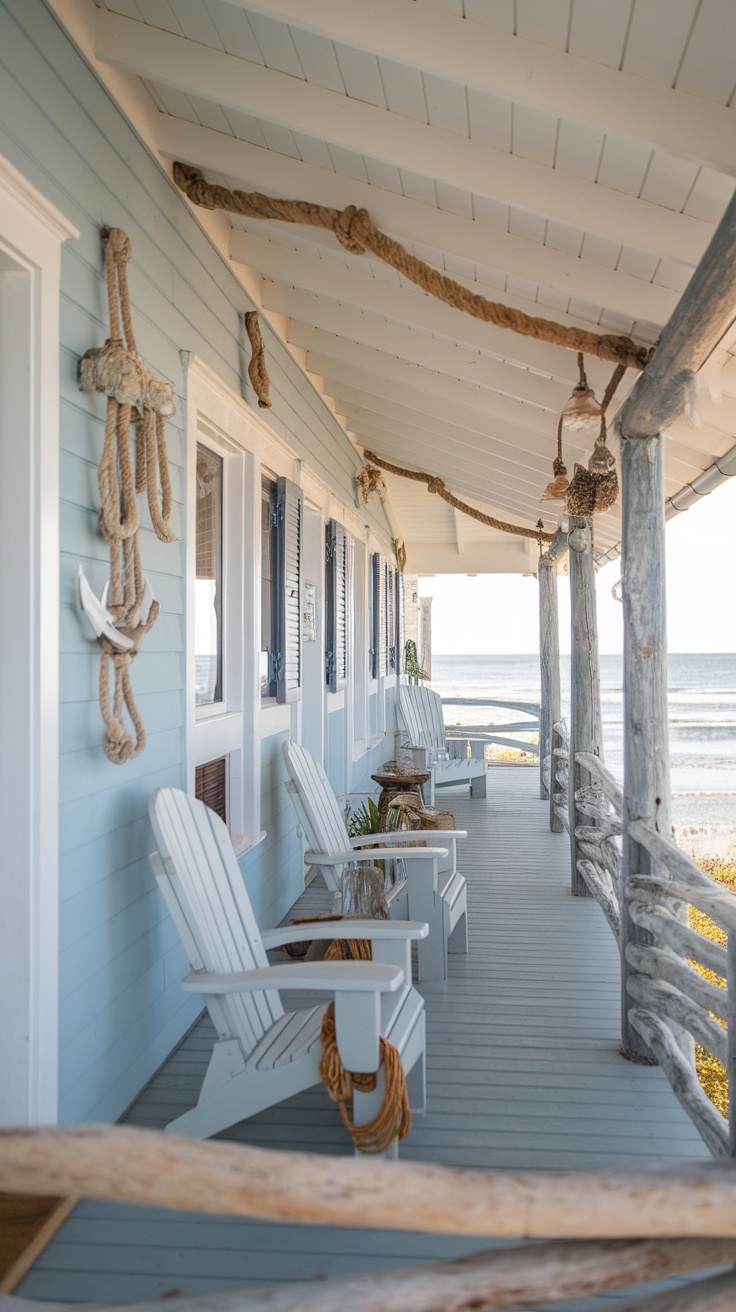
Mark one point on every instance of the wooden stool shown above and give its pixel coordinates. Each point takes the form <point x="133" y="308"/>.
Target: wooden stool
<point x="396" y="779"/>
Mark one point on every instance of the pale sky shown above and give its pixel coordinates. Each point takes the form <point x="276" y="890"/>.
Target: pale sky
<point x="498" y="613"/>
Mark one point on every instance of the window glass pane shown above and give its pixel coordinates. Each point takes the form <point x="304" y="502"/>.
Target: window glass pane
<point x="268" y="587"/>
<point x="208" y="583"/>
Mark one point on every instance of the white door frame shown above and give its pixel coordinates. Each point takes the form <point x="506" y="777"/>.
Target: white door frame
<point x="31" y="234"/>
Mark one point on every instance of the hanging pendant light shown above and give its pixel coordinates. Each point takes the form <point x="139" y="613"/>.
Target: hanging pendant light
<point x="582" y="410"/>
<point x="557" y="489"/>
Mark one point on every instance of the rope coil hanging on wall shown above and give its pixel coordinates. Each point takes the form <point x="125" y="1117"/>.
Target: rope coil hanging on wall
<point x="135" y="396"/>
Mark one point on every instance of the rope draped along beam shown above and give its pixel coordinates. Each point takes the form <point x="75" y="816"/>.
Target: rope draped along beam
<point x="437" y="485"/>
<point x="355" y="231"/>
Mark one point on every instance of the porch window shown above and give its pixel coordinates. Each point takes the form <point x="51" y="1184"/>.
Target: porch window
<point x="400" y="622"/>
<point x="378" y="657"/>
<point x="390" y="619"/>
<point x="208" y="585"/>
<point x="336" y="617"/>
<point x="281" y="590"/>
<point x="268" y="587"/>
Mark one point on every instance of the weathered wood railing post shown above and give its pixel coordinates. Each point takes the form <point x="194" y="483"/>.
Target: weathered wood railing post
<point x="586" y="734"/>
<point x="646" y="746"/>
<point x="703" y="314"/>
<point x="549" y="661"/>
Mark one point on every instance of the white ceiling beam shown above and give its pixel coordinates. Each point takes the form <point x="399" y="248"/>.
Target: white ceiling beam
<point x="407" y="343"/>
<point x="395" y="139"/>
<point x="410" y="221"/>
<point x="530" y="462"/>
<point x="326" y="350"/>
<point x="333" y="278"/>
<point x="531" y="473"/>
<point x="468" y="483"/>
<point x="531" y="450"/>
<point x="477" y="55"/>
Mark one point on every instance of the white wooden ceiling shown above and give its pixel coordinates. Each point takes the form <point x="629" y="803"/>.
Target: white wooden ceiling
<point x="568" y="157"/>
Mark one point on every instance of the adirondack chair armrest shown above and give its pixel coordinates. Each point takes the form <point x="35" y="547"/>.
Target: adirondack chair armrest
<point x="329" y="929"/>
<point x="394" y="836"/>
<point x="324" y="976"/>
<point x="373" y="854"/>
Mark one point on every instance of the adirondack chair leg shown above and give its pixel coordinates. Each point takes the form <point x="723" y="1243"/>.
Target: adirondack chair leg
<point x="457" y="940"/>
<point x="416" y="1083"/>
<point x="432" y="951"/>
<point x="478" y="785"/>
<point x="218" y="1105"/>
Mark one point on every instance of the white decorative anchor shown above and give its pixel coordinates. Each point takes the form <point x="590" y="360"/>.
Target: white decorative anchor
<point x="100" y="618"/>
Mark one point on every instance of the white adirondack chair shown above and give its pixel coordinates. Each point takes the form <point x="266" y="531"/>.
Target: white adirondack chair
<point x="433" y="890"/>
<point x="419" y="715"/>
<point x="263" y="1053"/>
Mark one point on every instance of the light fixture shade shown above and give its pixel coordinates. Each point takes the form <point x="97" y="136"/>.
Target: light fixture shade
<point x="582" y="410"/>
<point x="556" y="490"/>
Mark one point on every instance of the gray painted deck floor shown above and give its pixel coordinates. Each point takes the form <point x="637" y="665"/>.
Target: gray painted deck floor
<point x="523" y="1073"/>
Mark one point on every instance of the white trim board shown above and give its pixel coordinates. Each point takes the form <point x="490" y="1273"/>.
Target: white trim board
<point x="31" y="233"/>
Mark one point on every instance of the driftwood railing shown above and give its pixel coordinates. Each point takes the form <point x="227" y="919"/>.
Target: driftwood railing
<point x="598" y="846"/>
<point x="480" y="734"/>
<point x="683" y="1220"/>
<point x="671" y="1003"/>
<point x="557" y="775"/>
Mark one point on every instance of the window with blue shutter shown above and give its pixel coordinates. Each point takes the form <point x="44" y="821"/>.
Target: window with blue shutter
<point x="336" y="611"/>
<point x="379" y="643"/>
<point x="390" y="620"/>
<point x="400" y="622"/>
<point x="287" y="657"/>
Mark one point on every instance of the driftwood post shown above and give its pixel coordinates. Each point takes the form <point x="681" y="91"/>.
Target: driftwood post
<point x="704" y="313"/>
<point x="549" y="662"/>
<point x="646" y="746"/>
<point x="586" y="734"/>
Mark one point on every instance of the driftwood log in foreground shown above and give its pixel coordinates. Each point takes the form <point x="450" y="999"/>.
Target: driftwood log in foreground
<point x="157" y="1170"/>
<point x="510" y="1278"/>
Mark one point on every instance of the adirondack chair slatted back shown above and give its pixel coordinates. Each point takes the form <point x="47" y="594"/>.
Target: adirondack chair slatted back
<point x="420" y="714"/>
<point x="316" y="802"/>
<point x="204" y="890"/>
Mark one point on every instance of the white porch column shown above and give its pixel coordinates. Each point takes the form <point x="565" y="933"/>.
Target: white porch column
<point x="585" y="692"/>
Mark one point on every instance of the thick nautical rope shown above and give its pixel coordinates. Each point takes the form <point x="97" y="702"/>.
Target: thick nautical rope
<point x="257" y="371"/>
<point x="393" y="1121"/>
<point x="134" y="396"/>
<point x="436" y="485"/>
<point x="354" y="229"/>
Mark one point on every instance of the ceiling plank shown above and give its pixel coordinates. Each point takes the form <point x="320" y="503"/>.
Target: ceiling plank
<point x="412" y="221"/>
<point x="330" y="277"/>
<point x="395" y="139"/>
<point x="489" y="59"/>
<point x="407" y="343"/>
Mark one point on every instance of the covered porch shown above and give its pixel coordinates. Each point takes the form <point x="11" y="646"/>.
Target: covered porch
<point x="524" y="1073"/>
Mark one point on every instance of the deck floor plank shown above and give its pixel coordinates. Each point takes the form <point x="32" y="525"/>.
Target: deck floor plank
<point x="524" y="1073"/>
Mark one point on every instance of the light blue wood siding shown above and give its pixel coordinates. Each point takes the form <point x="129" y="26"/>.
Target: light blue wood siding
<point x="121" y="1008"/>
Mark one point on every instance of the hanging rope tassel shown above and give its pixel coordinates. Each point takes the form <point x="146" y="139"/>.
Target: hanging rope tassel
<point x="393" y="1121"/>
<point x="595" y="489"/>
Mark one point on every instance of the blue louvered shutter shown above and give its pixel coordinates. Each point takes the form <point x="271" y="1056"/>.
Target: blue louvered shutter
<point x="390" y="620"/>
<point x="288" y="655"/>
<point x="382" y="635"/>
<point x="400" y="622"/>
<point x="336" y="593"/>
<point x="375" y="625"/>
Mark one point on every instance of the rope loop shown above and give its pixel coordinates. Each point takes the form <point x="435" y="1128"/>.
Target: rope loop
<point x="393" y="1121"/>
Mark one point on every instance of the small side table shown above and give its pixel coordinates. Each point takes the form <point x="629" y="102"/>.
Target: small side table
<point x="395" y="779"/>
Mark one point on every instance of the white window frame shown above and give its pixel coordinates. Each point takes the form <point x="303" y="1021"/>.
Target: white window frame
<point x="217" y="419"/>
<point x="32" y="232"/>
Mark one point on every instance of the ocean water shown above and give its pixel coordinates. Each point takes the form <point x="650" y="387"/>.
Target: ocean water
<point x="702" y="719"/>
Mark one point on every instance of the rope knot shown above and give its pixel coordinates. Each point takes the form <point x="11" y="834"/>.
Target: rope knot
<point x="119" y="245"/>
<point x="436" y="485"/>
<point x="346" y="229"/>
